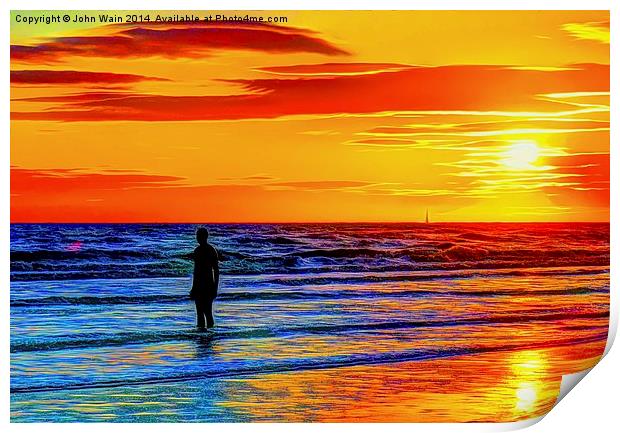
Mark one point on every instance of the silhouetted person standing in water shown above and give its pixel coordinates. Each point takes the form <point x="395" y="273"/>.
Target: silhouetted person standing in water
<point x="206" y="279"/>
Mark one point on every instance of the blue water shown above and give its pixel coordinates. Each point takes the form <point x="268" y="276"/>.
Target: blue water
<point x="58" y="252"/>
<point x="98" y="307"/>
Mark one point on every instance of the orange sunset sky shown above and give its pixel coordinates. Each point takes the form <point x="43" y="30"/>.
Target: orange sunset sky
<point x="332" y="116"/>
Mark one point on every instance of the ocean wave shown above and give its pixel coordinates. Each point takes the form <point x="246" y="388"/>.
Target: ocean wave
<point x="289" y="365"/>
<point x="66" y="252"/>
<point x="457" y="252"/>
<point x="82" y="254"/>
<point x="479" y="236"/>
<point x="283" y="296"/>
<point x="281" y="288"/>
<point x="452" y="259"/>
<point x="346" y="253"/>
<point x="281" y="240"/>
<point x="130" y="338"/>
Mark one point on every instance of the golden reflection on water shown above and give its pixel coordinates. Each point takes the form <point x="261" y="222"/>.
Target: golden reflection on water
<point x="527" y="369"/>
<point x="492" y="387"/>
<point x="489" y="387"/>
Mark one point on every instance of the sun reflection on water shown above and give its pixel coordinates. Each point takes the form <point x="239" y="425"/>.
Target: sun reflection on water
<point x="528" y="368"/>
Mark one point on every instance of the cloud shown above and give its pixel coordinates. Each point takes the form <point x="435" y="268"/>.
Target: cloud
<point x="589" y="174"/>
<point x="589" y="168"/>
<point x="73" y="194"/>
<point x="554" y="172"/>
<point x="49" y="77"/>
<point x="60" y="181"/>
<point x="194" y="40"/>
<point x="254" y="177"/>
<point x="459" y="87"/>
<point x="66" y="180"/>
<point x="330" y="69"/>
<point x="79" y="97"/>
<point x="70" y="195"/>
<point x="591" y="31"/>
<point x="321" y="185"/>
<point x="391" y="142"/>
<point x="491" y="128"/>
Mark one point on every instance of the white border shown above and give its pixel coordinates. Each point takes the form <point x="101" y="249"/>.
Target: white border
<point x="592" y="407"/>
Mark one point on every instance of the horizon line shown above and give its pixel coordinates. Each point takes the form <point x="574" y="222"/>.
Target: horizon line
<point x="309" y="222"/>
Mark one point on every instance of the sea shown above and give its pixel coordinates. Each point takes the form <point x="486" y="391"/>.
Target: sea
<point x="373" y="322"/>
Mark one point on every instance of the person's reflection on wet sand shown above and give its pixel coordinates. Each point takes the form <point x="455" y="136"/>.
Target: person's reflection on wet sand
<point x="204" y="345"/>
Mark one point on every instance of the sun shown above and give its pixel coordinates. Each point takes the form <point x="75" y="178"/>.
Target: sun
<point x="521" y="155"/>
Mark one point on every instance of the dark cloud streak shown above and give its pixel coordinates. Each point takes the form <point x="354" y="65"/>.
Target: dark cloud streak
<point x="458" y="87"/>
<point x="67" y="77"/>
<point x="182" y="41"/>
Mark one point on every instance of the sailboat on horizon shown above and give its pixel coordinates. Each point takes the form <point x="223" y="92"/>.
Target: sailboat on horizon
<point x="426" y="216"/>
